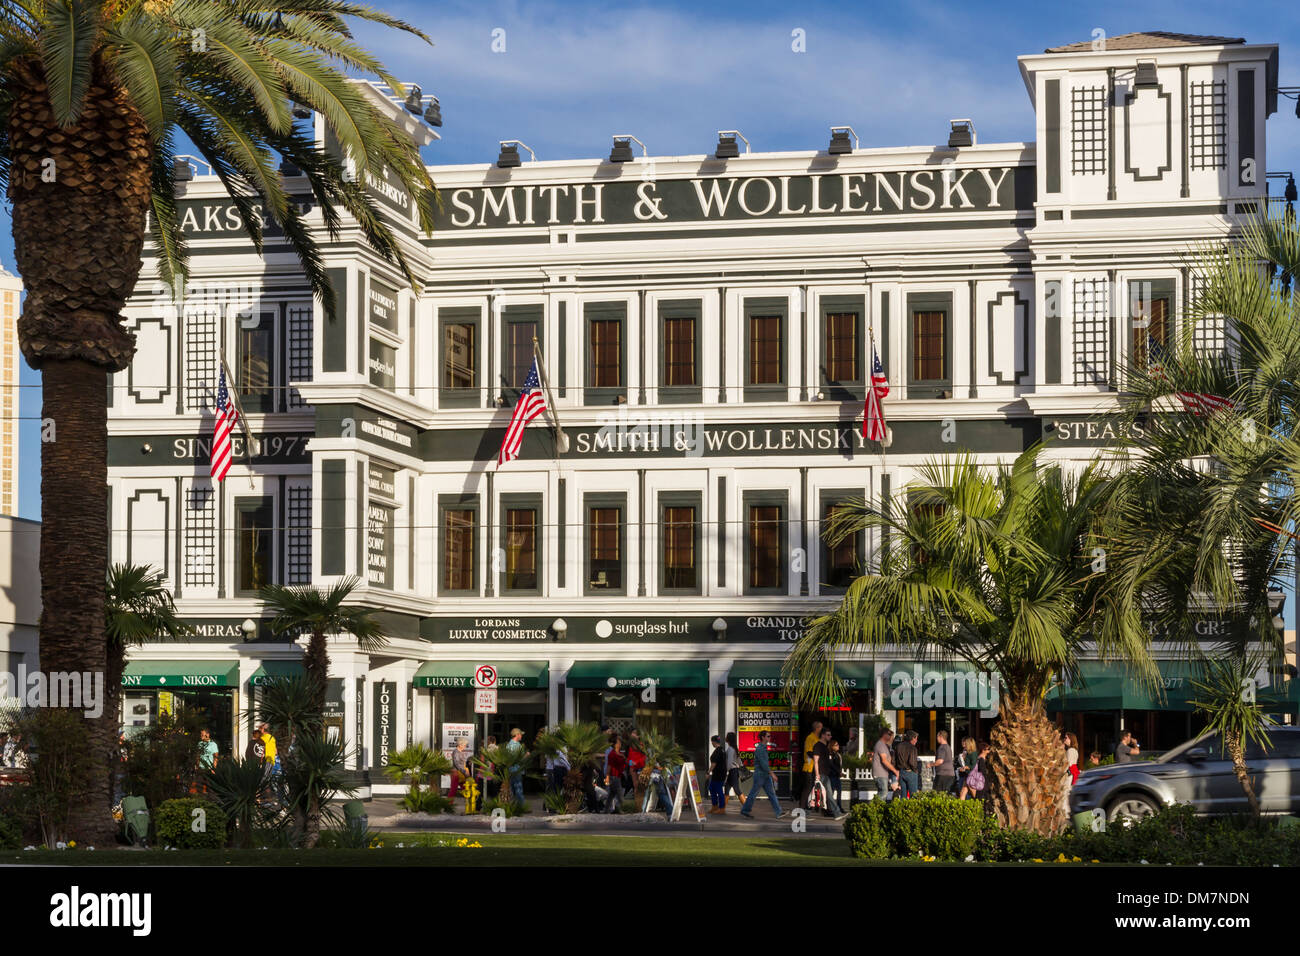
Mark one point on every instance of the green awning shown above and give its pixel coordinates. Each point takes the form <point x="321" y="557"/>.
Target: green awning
<point x="615" y="675"/>
<point x="511" y="675"/>
<point x="766" y="675"/>
<point x="1111" y="686"/>
<point x="181" y="675"/>
<point x="273" y="669"/>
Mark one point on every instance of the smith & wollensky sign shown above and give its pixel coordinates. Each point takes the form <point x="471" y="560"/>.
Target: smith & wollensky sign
<point x="938" y="189"/>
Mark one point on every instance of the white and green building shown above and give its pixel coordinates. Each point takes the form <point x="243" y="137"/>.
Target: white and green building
<point x="707" y="327"/>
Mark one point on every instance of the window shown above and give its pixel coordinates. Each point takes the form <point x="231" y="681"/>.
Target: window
<point x="1208" y="124"/>
<point x="1092" y="335"/>
<point x="522" y="325"/>
<point x="1088" y="130"/>
<point x="606" y="538"/>
<point x="930" y="356"/>
<point x="460" y="358"/>
<point x="459" y="538"/>
<point x="1150" y="318"/>
<point x="521" y="541"/>
<point x="765" y="350"/>
<point x="254" y="527"/>
<point x="605" y="353"/>
<point x="679" y="521"/>
<point x="256" y="339"/>
<point x="841" y="563"/>
<point x="765" y="544"/>
<point x="842" y="347"/>
<point x="679" y="375"/>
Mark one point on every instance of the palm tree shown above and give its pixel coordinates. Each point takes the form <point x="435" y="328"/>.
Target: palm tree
<point x="1199" y="519"/>
<point x="994" y="568"/>
<point x="288" y="706"/>
<point x="92" y="96"/>
<point x="138" y="608"/>
<point x="1234" y="714"/>
<point x="660" y="751"/>
<point x="417" y="763"/>
<point x="303" y="609"/>
<point x="314" y="775"/>
<point x="584" y="746"/>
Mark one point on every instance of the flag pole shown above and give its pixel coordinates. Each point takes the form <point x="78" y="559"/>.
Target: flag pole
<point x="561" y="439"/>
<point x="871" y="331"/>
<point x="243" y="421"/>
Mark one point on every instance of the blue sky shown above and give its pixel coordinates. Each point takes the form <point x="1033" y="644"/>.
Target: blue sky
<point x="673" y="73"/>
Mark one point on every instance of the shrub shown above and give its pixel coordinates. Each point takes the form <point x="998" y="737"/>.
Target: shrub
<point x="864" y="828"/>
<point x="511" y="808"/>
<point x="933" y="824"/>
<point x="426" y="801"/>
<point x="175" y="820"/>
<point x="11" y="834"/>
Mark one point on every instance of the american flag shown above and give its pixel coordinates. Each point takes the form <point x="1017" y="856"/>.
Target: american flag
<point x="225" y="424"/>
<point x="873" y="415"/>
<point x="531" y="404"/>
<point x="1198" y="403"/>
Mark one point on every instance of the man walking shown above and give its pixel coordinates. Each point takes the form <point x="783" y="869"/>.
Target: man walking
<point x="515" y="748"/>
<point x="272" y="754"/>
<point x="822" y="772"/>
<point x="762" y="778"/>
<point x="882" y="765"/>
<point x="945" y="774"/>
<point x="460" y="758"/>
<point x="809" y="778"/>
<point x="909" y="765"/>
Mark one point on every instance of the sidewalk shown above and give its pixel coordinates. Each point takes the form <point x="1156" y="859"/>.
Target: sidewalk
<point x="387" y="815"/>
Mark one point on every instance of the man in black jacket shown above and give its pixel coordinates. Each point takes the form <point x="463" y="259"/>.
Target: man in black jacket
<point x="909" y="767"/>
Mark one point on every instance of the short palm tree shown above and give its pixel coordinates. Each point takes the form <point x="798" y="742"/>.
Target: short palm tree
<point x="416" y="764"/>
<point x="93" y="96"/>
<point x="314" y="775"/>
<point x="320" y="612"/>
<point x="288" y="705"/>
<point x="1225" y="696"/>
<point x="660" y="751"/>
<point x="138" y="608"/>
<point x="583" y="745"/>
<point x="994" y="568"/>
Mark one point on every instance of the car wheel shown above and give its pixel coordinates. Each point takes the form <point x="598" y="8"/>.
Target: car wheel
<point x="1128" y="808"/>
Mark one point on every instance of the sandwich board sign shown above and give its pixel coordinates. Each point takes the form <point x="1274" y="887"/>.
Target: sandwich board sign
<point x="688" y="786"/>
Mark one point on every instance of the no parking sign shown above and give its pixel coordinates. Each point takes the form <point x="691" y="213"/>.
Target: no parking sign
<point x="485" y="677"/>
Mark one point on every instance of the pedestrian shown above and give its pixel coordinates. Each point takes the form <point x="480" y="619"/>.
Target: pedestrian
<point x="882" y="765"/>
<point x="207" y="751"/>
<point x="272" y="753"/>
<point x="945" y="774"/>
<point x="491" y="785"/>
<point x="976" y="783"/>
<point x="660" y="777"/>
<point x="718" y="775"/>
<point x="557" y="768"/>
<point x="851" y="745"/>
<point x="635" y="760"/>
<point x="965" y="761"/>
<point x="809" y="779"/>
<point x="1127" y="748"/>
<point x="733" y="770"/>
<point x="1072" y="757"/>
<point x="459" y="767"/>
<point x="256" y="749"/>
<point x="822" y="771"/>
<point x="1094" y="759"/>
<point x="515" y="748"/>
<point x="762" y="778"/>
<point x="615" y="768"/>
<point x="909" y="767"/>
<point x="836" y="763"/>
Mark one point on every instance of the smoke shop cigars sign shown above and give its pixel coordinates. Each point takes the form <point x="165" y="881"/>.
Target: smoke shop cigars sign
<point x="632" y="630"/>
<point x="945" y="189"/>
<point x="915" y="686"/>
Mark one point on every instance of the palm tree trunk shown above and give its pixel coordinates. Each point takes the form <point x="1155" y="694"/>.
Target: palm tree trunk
<point x="73" y="562"/>
<point x="1028" y="767"/>
<point x="316" y="665"/>
<point x="1238" y="754"/>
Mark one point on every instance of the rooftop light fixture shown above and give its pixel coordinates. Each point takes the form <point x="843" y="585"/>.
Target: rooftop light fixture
<point x="622" y="151"/>
<point x="727" y="148"/>
<point x="414" y="100"/>
<point x="1146" y="75"/>
<point x="509" y="158"/>
<point x="433" y="114"/>
<point x="961" y="134"/>
<point x="840" y="142"/>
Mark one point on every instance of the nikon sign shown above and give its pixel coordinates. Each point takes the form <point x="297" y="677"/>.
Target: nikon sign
<point x="914" y="686"/>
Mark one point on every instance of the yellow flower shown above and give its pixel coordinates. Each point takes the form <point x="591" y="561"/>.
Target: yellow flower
<point x="72" y="844"/>
<point x="1037" y="860"/>
<point x="1060" y="858"/>
<point x="476" y="845"/>
<point x="1096" y="861"/>
<point x="1076" y="860"/>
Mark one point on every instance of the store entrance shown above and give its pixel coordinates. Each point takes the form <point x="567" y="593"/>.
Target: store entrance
<point x="681" y="715"/>
<point x="212" y="710"/>
<point x="959" y="724"/>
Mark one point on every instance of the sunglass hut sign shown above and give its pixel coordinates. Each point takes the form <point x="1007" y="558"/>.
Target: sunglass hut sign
<point x="945" y="189"/>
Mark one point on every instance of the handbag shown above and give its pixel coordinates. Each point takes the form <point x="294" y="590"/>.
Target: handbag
<point x="817" y="796"/>
<point x="975" y="780"/>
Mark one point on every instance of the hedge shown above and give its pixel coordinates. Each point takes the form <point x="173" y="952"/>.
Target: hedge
<point x="930" y="825"/>
<point x="175" y="821"/>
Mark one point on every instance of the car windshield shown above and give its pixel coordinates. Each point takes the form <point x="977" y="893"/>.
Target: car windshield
<point x="1207" y="741"/>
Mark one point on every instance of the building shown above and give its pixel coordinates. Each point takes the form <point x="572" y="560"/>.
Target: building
<point x="20" y="605"/>
<point x="706" y="325"/>
<point x="11" y="292"/>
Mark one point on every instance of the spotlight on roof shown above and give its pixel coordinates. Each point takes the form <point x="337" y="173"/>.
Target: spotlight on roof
<point x="300" y="111"/>
<point x="622" y="151"/>
<point x="961" y="134"/>
<point x="1146" y="75"/>
<point x="182" y="171"/>
<point x="413" y="100"/>
<point x="841" y="143"/>
<point x="727" y="148"/>
<point x="433" y="115"/>
<point x="509" y="158"/>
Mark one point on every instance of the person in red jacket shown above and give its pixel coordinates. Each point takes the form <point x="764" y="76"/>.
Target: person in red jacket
<point x="635" y="759"/>
<point x="615" y="767"/>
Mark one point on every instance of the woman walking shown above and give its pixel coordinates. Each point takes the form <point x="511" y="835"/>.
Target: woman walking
<point x="718" y="776"/>
<point x="976" y="783"/>
<point x="733" y="772"/>
<point x="615" y="768"/>
<point x="1072" y="757"/>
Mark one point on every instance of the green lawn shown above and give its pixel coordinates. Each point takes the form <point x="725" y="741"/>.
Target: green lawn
<point x="496" y="850"/>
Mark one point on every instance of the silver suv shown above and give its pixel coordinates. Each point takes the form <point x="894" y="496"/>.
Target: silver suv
<point x="1198" y="772"/>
